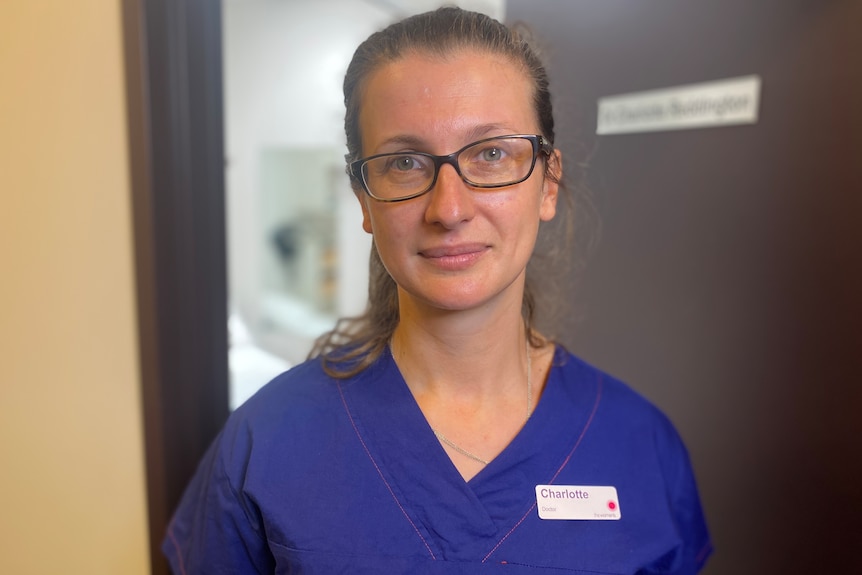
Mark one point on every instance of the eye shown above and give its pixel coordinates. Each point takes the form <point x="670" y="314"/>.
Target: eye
<point x="397" y="166"/>
<point x="404" y="163"/>
<point x="400" y="163"/>
<point x="491" y="155"/>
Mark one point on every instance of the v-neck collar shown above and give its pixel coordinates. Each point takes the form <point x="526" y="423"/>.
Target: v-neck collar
<point x="461" y="519"/>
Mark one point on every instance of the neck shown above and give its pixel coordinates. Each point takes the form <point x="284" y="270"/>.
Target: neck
<point x="471" y="354"/>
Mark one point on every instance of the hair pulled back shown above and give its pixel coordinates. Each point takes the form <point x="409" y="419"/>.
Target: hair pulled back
<point x="355" y="343"/>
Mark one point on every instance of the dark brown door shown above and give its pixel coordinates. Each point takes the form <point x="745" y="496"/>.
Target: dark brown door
<point x="728" y="283"/>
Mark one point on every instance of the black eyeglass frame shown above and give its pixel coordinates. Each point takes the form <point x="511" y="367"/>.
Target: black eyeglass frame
<point x="540" y="144"/>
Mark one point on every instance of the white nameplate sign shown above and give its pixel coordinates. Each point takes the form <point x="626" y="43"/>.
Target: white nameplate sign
<point x="721" y="103"/>
<point x="582" y="502"/>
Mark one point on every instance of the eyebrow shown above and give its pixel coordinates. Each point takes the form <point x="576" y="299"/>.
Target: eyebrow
<point x="475" y="134"/>
<point x="402" y="139"/>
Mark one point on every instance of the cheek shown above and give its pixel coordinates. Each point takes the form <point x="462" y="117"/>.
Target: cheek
<point x="389" y="223"/>
<point x="393" y="243"/>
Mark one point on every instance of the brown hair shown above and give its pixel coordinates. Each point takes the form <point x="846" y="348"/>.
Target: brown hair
<point x="357" y="342"/>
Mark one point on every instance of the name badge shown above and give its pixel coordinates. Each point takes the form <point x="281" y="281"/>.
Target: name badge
<point x="580" y="502"/>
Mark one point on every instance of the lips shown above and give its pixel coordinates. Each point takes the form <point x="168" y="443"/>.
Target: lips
<point x="452" y="251"/>
<point x="454" y="257"/>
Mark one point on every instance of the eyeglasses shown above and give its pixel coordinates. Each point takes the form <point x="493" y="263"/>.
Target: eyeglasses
<point x="489" y="163"/>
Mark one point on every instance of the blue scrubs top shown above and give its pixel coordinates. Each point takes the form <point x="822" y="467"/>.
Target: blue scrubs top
<point x="321" y="476"/>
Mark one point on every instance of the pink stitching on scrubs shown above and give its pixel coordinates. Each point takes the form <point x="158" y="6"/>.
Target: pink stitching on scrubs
<point x="179" y="552"/>
<point x="379" y="472"/>
<point x="565" y="462"/>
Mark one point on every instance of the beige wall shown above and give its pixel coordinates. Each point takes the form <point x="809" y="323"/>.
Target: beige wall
<point x="72" y="494"/>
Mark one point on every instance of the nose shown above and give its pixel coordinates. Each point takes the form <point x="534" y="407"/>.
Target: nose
<point x="450" y="201"/>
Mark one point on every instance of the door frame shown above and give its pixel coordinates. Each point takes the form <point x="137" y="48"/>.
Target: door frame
<point x="174" y="93"/>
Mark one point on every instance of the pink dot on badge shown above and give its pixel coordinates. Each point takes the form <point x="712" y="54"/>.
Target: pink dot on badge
<point x="612" y="505"/>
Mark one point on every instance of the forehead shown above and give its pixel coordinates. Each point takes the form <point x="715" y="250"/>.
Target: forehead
<point x="426" y="94"/>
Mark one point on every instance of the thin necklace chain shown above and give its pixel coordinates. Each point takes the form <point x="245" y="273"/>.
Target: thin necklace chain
<point x="458" y="448"/>
<point x="473" y="456"/>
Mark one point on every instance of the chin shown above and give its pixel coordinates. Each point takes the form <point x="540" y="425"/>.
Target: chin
<point x="460" y="294"/>
<point x="452" y="301"/>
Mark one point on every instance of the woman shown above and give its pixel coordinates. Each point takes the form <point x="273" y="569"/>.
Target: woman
<point x="441" y="432"/>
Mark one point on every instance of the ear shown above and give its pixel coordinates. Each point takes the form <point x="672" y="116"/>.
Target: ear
<point x="366" y="215"/>
<point x="551" y="186"/>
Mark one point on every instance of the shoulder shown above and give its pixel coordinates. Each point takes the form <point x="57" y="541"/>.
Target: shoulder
<point x="267" y="434"/>
<point x="290" y="401"/>
<point x="622" y="415"/>
<point x="281" y="430"/>
<point x="303" y="382"/>
<point x="647" y="451"/>
<point x="625" y="417"/>
<point x="613" y="396"/>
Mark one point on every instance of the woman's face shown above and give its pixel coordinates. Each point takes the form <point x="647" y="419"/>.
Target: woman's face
<point x="454" y="248"/>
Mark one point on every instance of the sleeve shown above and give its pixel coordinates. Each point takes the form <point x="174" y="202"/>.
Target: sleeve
<point x="685" y="504"/>
<point x="216" y="530"/>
